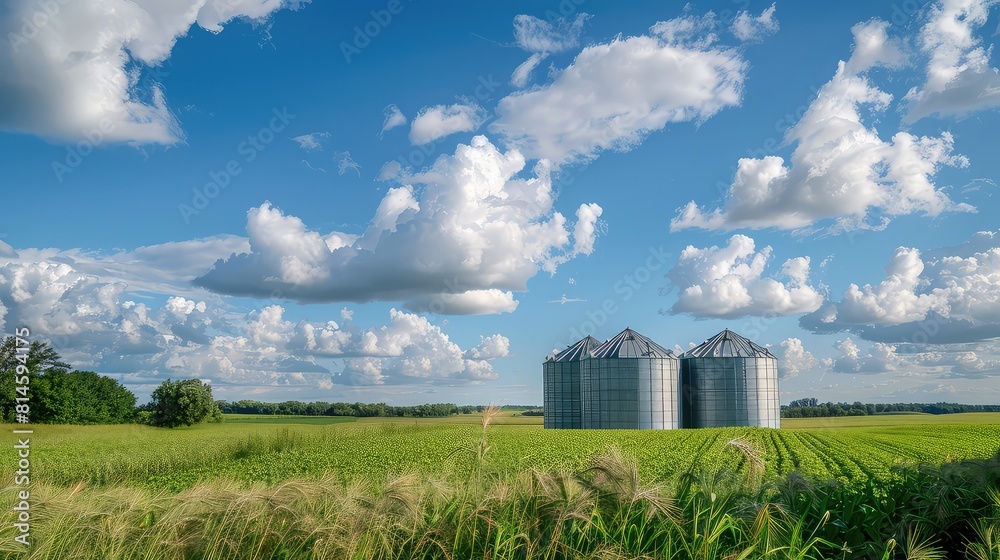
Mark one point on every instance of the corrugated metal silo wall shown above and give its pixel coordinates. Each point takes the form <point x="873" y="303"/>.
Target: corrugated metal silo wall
<point x="720" y="392"/>
<point x="561" y="394"/>
<point x="630" y="393"/>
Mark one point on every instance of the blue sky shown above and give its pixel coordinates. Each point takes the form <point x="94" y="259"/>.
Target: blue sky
<point x="387" y="201"/>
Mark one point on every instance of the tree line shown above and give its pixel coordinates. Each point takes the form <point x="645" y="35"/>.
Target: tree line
<point x="812" y="408"/>
<point x="361" y="410"/>
<point x="58" y="394"/>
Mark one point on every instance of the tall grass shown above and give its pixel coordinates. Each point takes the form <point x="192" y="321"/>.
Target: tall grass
<point x="605" y="510"/>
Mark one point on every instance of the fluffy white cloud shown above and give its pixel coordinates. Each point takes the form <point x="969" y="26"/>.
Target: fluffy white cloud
<point x="410" y="347"/>
<point x="585" y="231"/>
<point x="729" y="282"/>
<point x="169" y="268"/>
<point x="751" y="29"/>
<point x="393" y="118"/>
<point x="542" y="38"/>
<point x="75" y="73"/>
<point x="489" y="348"/>
<point x="473" y="227"/>
<point x="57" y="299"/>
<point x="311" y="141"/>
<point x="880" y="358"/>
<point x="960" y="79"/>
<point x="94" y="324"/>
<point x="794" y="359"/>
<point x="613" y="94"/>
<point x="433" y="123"/>
<point x="472" y="302"/>
<point x="840" y="169"/>
<point x="7" y="251"/>
<point x="969" y="361"/>
<point x="949" y="296"/>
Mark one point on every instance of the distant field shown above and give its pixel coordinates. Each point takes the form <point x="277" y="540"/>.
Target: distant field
<point x="504" y="417"/>
<point x="516" y="418"/>
<point x="269" y="449"/>
<point x="895" y="419"/>
<point x="278" y="419"/>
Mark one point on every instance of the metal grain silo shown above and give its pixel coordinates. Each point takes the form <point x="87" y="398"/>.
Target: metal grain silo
<point x="729" y="381"/>
<point x="561" y="380"/>
<point x="630" y="382"/>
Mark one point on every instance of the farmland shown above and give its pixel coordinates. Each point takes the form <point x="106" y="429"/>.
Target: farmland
<point x="247" y="450"/>
<point x="443" y="471"/>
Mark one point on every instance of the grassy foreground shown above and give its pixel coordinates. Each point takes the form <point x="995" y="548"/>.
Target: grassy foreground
<point x="606" y="511"/>
<point x="439" y="489"/>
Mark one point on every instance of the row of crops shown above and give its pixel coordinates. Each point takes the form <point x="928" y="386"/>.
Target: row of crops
<point x="250" y="453"/>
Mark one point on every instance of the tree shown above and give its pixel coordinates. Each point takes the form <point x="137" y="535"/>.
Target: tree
<point x="182" y="403"/>
<point x="80" y="397"/>
<point x="40" y="357"/>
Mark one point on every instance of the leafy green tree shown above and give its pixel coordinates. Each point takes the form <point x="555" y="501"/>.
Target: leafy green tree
<point x="80" y="397"/>
<point x="40" y="357"/>
<point x="182" y="403"/>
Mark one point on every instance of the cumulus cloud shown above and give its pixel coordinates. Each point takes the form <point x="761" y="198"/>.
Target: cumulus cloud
<point x="946" y="296"/>
<point x="311" y="141"/>
<point x="729" y="282"/>
<point x="585" y="231"/>
<point x="943" y="361"/>
<point x="880" y="358"/>
<point x="542" y="38"/>
<point x="410" y="347"/>
<point x="7" y="251"/>
<point x="490" y="347"/>
<point x="613" y="94"/>
<point x="840" y="169"/>
<point x="79" y="76"/>
<point x="971" y="361"/>
<point x="167" y="268"/>
<point x="393" y="118"/>
<point x="472" y="302"/>
<point x="794" y="359"/>
<point x="466" y="232"/>
<point x="433" y="123"/>
<point x="960" y="79"/>
<point x="97" y="324"/>
<point x="752" y="29"/>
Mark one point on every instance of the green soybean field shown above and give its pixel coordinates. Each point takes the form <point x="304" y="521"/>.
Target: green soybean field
<point x="252" y="450"/>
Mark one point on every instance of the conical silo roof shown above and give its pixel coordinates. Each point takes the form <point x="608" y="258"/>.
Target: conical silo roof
<point x="576" y="351"/>
<point x="630" y="344"/>
<point x="728" y="344"/>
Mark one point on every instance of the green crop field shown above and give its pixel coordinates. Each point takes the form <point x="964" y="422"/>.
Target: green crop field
<point x="272" y="449"/>
<point x="287" y="487"/>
